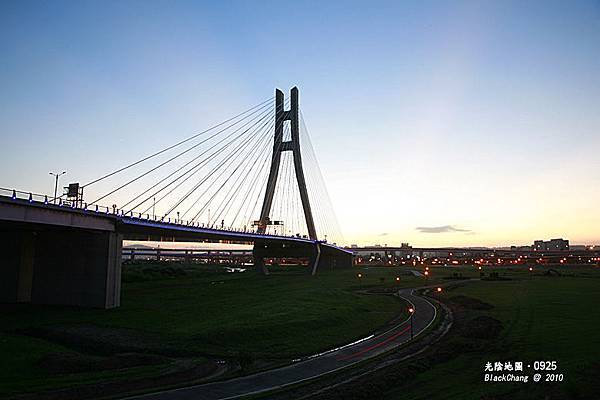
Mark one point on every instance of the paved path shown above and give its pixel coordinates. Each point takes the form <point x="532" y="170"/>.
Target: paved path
<point x="311" y="367"/>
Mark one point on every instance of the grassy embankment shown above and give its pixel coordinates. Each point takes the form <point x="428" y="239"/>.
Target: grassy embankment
<point x="176" y="316"/>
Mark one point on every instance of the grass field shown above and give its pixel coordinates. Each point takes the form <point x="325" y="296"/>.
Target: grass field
<point x="195" y="312"/>
<point x="187" y="315"/>
<point x="544" y="318"/>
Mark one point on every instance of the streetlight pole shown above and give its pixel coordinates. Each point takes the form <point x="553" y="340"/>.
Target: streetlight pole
<point x="411" y="311"/>
<point x="56" y="175"/>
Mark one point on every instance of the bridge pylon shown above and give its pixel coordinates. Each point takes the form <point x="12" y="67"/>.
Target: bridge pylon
<point x="279" y="146"/>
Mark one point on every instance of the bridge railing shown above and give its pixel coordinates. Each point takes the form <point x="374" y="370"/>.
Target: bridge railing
<point x="18" y="194"/>
<point x="60" y="201"/>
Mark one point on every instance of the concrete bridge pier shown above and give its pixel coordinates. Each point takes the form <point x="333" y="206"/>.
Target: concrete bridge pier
<point x="259" y="264"/>
<point x="60" y="266"/>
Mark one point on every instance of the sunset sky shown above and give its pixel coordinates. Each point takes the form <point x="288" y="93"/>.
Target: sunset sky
<point x="435" y="123"/>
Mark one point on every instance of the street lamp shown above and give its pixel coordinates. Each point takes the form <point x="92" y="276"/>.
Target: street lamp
<point x="56" y="175"/>
<point x="439" y="289"/>
<point x="411" y="311"/>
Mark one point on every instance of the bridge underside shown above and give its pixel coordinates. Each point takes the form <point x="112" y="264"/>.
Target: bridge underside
<point x="58" y="265"/>
<point x="320" y="256"/>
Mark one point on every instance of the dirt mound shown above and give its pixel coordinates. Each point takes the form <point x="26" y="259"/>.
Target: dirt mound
<point x="482" y="327"/>
<point x="101" y="340"/>
<point x="552" y="272"/>
<point x="590" y="384"/>
<point x="470" y="303"/>
<point x="178" y="373"/>
<point x="62" y="363"/>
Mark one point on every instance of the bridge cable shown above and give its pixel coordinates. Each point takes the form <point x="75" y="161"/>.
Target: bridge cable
<point x="256" y="208"/>
<point x="329" y="213"/>
<point x="159" y="166"/>
<point x="194" y="169"/>
<point x="221" y="163"/>
<point x="220" y="187"/>
<point x="176" y="144"/>
<point x="203" y="208"/>
<point x="248" y="196"/>
<point x="236" y="185"/>
<point x="248" y="166"/>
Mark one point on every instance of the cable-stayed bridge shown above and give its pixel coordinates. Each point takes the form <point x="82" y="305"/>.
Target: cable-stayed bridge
<point x="253" y="178"/>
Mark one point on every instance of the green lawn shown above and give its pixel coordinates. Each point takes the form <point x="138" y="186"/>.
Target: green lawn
<point x="198" y="312"/>
<point x="544" y="318"/>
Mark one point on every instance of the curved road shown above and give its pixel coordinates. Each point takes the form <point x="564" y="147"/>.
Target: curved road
<point x="311" y="367"/>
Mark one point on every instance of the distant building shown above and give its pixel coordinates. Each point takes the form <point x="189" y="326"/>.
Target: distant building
<point x="521" y="248"/>
<point x="551" y="245"/>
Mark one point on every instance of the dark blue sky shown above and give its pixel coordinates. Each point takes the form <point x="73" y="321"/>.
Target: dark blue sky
<point x="479" y="115"/>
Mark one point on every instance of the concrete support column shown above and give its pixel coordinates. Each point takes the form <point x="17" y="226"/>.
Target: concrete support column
<point x="60" y="266"/>
<point x="259" y="265"/>
<point x="259" y="252"/>
<point x="81" y="268"/>
<point x="113" y="270"/>
<point x="316" y="259"/>
<point x="16" y="269"/>
<point x="25" y="274"/>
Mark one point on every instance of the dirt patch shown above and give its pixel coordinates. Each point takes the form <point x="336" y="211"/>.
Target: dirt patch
<point x="181" y="371"/>
<point x="64" y="363"/>
<point x="470" y="303"/>
<point x="381" y="291"/>
<point x="101" y="340"/>
<point x="590" y="384"/>
<point x="482" y="327"/>
<point x="552" y="272"/>
<point x="103" y="349"/>
<point x="494" y="276"/>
